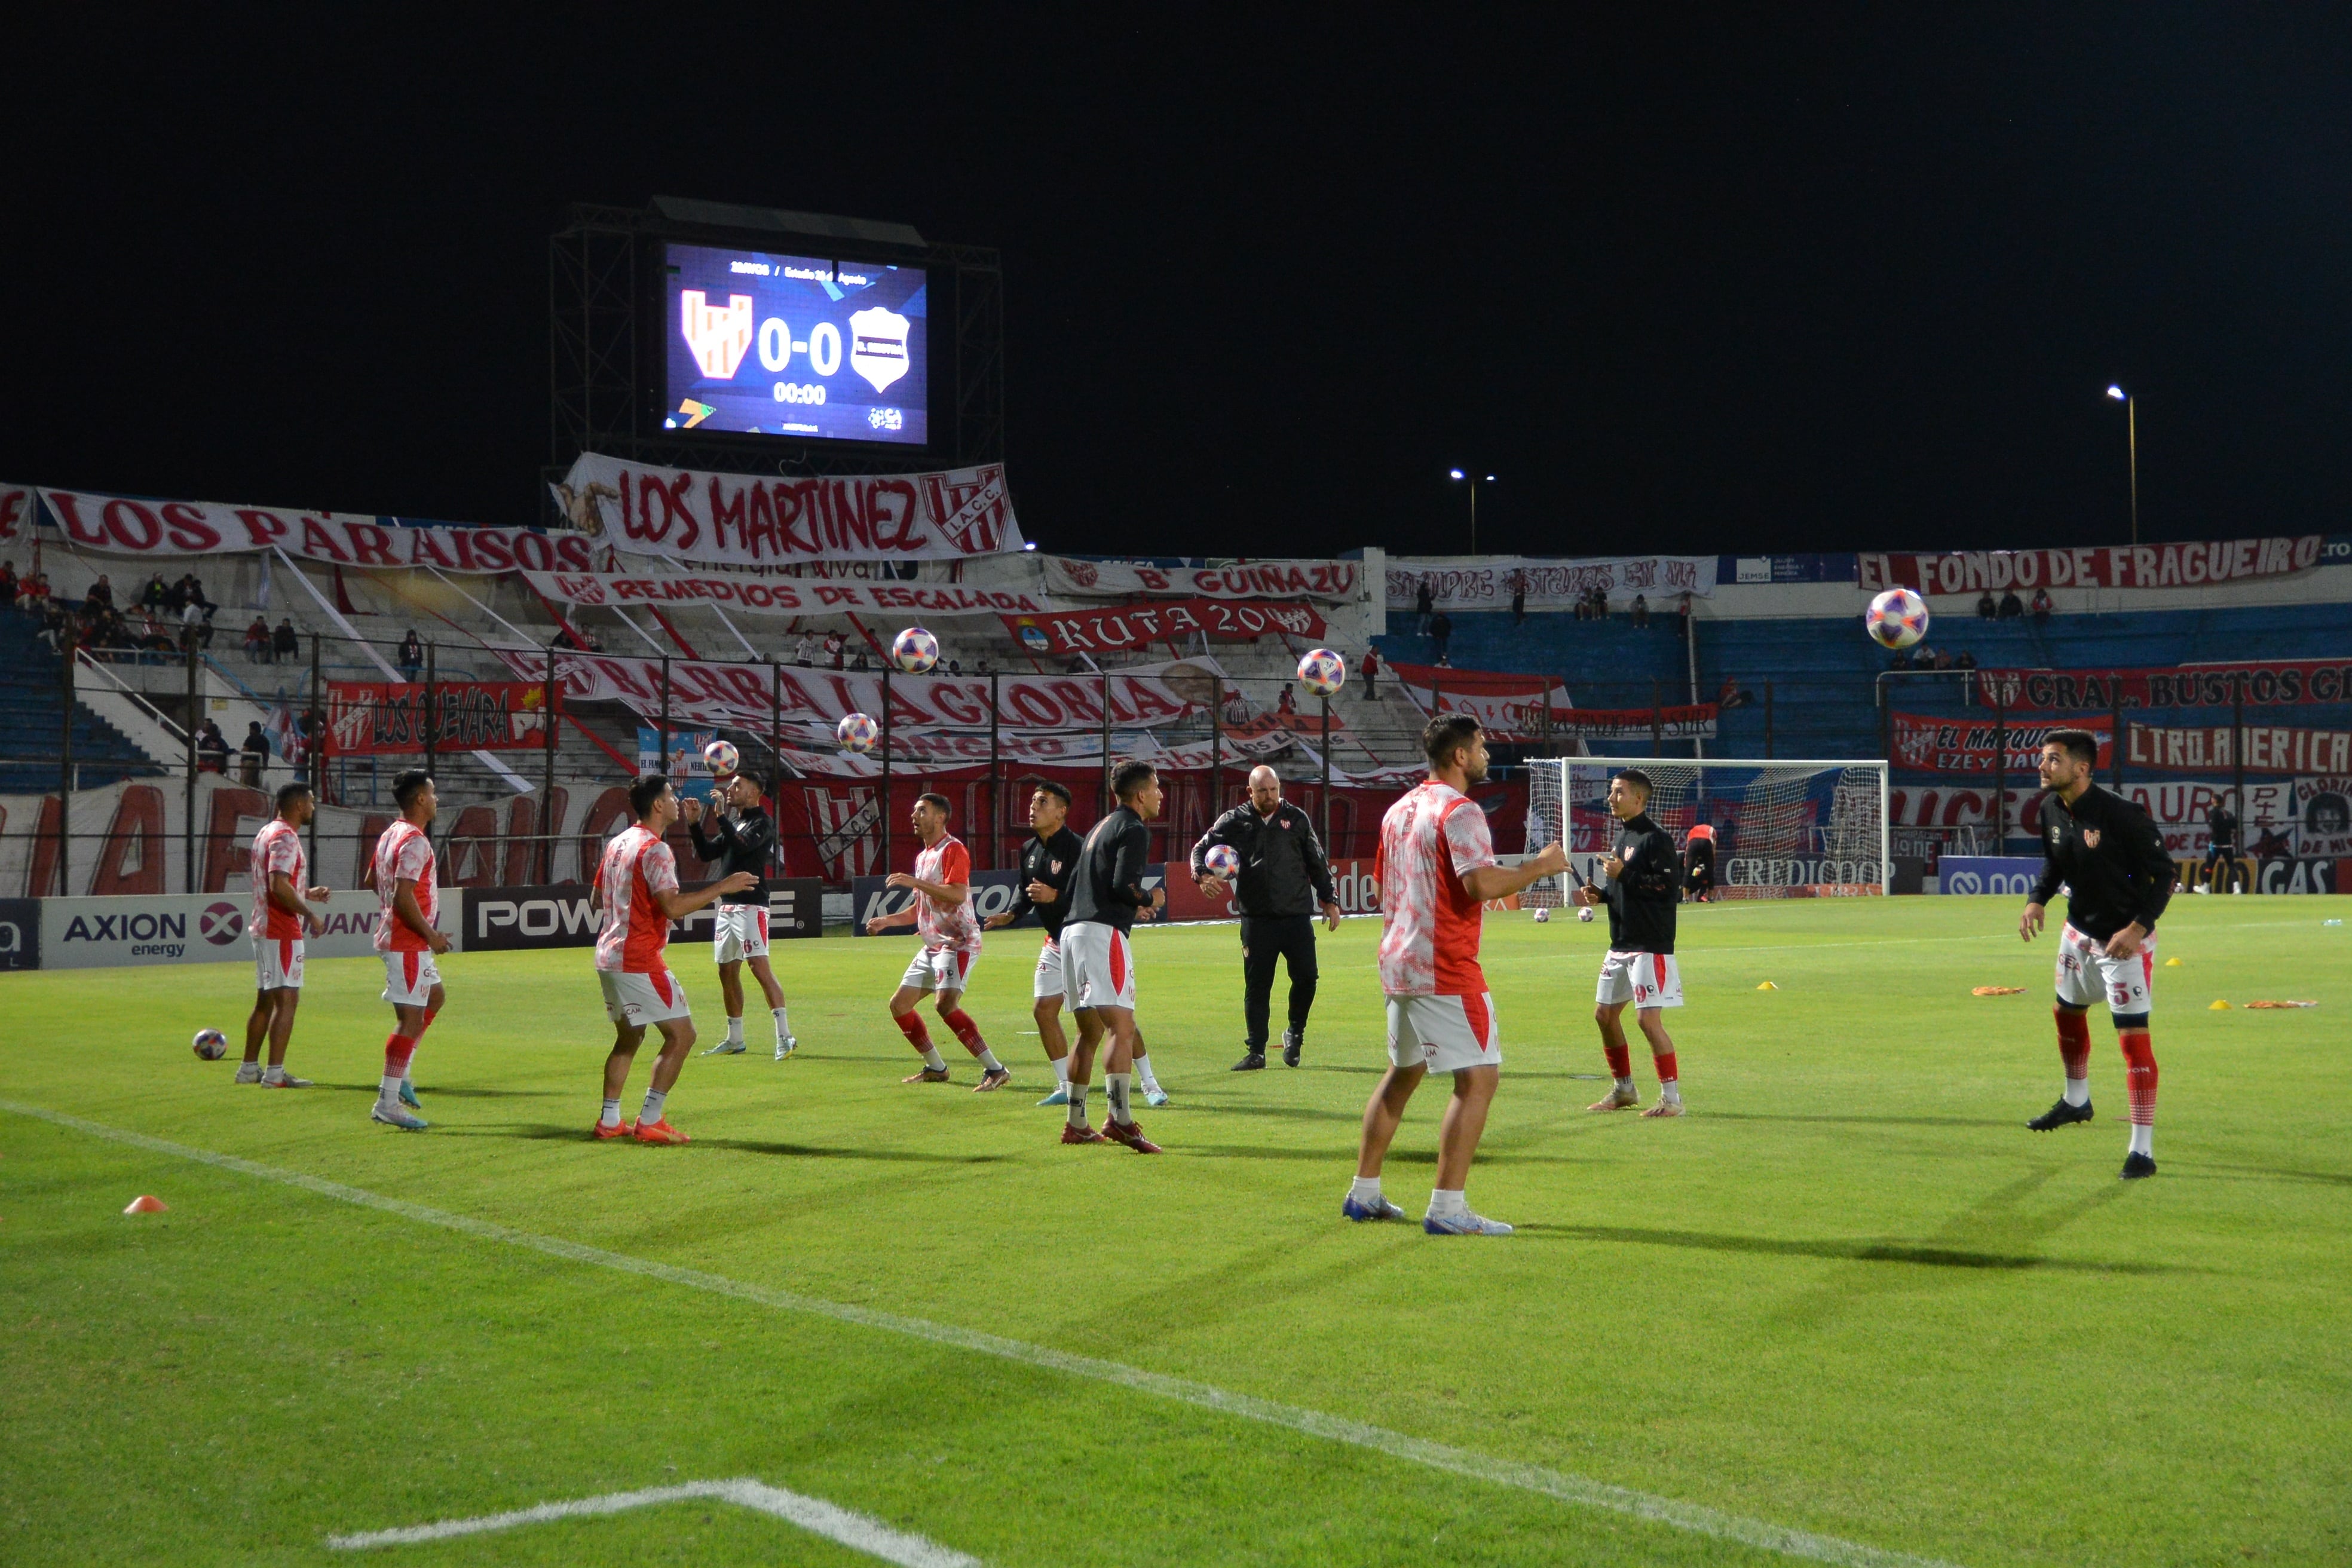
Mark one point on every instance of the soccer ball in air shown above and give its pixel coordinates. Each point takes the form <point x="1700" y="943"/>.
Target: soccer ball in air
<point x="721" y="758"/>
<point x="1322" y="672"/>
<point x="857" y="731"/>
<point x="914" y="651"/>
<point x="210" y="1044"/>
<point x="1897" y="618"/>
<point x="1222" y="862"/>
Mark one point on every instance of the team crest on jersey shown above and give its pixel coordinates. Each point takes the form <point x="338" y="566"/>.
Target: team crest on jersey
<point x="2054" y="832"/>
<point x="2090" y="838"/>
<point x="1054" y="868"/>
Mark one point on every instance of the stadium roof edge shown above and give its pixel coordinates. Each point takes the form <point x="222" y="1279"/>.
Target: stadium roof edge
<point x="781" y="220"/>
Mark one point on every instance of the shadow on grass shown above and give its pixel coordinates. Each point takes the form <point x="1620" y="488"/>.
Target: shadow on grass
<point x="1846" y="1251"/>
<point x="427" y="1091"/>
<point x="542" y="1133"/>
<point x="2269" y="1172"/>
<point x="1866" y="1120"/>
<point x="1396" y="1156"/>
<point x="1510" y="1073"/>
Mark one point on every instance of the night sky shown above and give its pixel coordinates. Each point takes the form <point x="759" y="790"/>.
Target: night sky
<point x="1765" y="279"/>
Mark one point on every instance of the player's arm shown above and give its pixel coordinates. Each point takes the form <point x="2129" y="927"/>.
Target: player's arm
<point x="1127" y="866"/>
<point x="754" y="837"/>
<point x="283" y="895"/>
<point x="2045" y="888"/>
<point x="1319" y="871"/>
<point x="1023" y="903"/>
<point x="1487" y="882"/>
<point x="408" y="912"/>
<point x="1220" y="832"/>
<point x="2152" y="878"/>
<point x="713" y="843"/>
<point x="677" y="904"/>
<point x="880" y="923"/>
<point x="1656" y="870"/>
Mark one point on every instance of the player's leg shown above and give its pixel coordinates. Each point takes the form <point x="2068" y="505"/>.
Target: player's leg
<point x="1383" y="1112"/>
<point x="1611" y="1017"/>
<point x="2077" y="986"/>
<point x="677" y="1044"/>
<point x="2131" y="996"/>
<point x="1258" y="955"/>
<point x="1463" y="1043"/>
<point x="1081" y="1070"/>
<point x="283" y="1001"/>
<point x="1118" y="1079"/>
<point x="1298" y="961"/>
<point x="1464" y="1124"/>
<point x="256" y="1029"/>
<point x="411" y="986"/>
<point x="1145" y="1078"/>
<point x="626" y="1038"/>
<point x="994" y="1075"/>
<point x="1652" y="1024"/>
<point x="730" y="996"/>
<point x="918" y="983"/>
<point x="773" y="990"/>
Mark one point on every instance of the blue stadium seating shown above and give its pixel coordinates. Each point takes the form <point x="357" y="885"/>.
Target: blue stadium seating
<point x="31" y="712"/>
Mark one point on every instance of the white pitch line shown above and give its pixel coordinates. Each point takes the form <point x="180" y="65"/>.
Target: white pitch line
<point x="855" y="1530"/>
<point x="1694" y="1517"/>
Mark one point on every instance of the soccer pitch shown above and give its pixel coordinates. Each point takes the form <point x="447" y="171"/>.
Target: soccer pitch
<point x="1848" y="1311"/>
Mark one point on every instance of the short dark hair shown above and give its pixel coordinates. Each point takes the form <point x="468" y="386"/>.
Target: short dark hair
<point x="2080" y="744"/>
<point x="406" y="784"/>
<point x="287" y="792"/>
<point x="644" y="792"/>
<point x="1129" y="776"/>
<point x="1637" y="777"/>
<point x="1444" y="734"/>
<point x="936" y="801"/>
<point x="1048" y="786"/>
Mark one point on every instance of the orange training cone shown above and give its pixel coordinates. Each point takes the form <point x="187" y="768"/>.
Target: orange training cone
<point x="146" y="1203"/>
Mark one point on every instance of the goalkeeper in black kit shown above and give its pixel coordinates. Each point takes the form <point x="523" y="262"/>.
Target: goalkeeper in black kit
<point x="2111" y="859"/>
<point x="740" y="838"/>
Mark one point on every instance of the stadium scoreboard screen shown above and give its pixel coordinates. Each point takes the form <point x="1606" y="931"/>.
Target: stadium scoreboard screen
<point x="809" y="348"/>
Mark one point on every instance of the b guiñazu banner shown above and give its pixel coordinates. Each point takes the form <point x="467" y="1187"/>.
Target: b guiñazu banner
<point x="782" y="595"/>
<point x="155" y="529"/>
<point x="1329" y="582"/>
<point x="1925" y="743"/>
<point x="761" y="520"/>
<point x="1139" y="626"/>
<point x="1489" y="582"/>
<point x="2266" y="749"/>
<point x="373" y="717"/>
<point x="2196" y="565"/>
<point x="2266" y="684"/>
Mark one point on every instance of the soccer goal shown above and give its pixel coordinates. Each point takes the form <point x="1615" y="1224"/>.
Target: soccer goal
<point x="1782" y="830"/>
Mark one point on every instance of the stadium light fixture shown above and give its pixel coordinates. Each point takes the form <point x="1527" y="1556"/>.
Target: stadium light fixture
<point x="2131" y="437"/>
<point x="2116" y="393"/>
<point x="1475" y="482"/>
<point x="1454" y="472"/>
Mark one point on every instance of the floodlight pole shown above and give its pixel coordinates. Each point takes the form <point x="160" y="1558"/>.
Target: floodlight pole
<point x="188" y="828"/>
<point x="2131" y="434"/>
<point x="547" y="778"/>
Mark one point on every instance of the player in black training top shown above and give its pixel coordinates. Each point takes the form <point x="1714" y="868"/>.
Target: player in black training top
<point x="739" y="838"/>
<point x="1644" y="879"/>
<point x="1047" y="862"/>
<point x="1097" y="962"/>
<point x="2118" y="879"/>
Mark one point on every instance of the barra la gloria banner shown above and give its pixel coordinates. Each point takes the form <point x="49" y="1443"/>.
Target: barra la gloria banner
<point x="784" y="596"/>
<point x="155" y="530"/>
<point x="2193" y="565"/>
<point x="754" y="520"/>
<point x="1924" y="743"/>
<point x="2265" y="684"/>
<point x="702" y="692"/>
<point x="1327" y="582"/>
<point x="366" y="718"/>
<point x="1139" y="626"/>
<point x="1488" y="582"/>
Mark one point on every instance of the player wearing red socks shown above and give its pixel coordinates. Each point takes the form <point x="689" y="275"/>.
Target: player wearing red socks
<point x="942" y="912"/>
<point x="2118" y="880"/>
<point x="1644" y="882"/>
<point x="409" y="941"/>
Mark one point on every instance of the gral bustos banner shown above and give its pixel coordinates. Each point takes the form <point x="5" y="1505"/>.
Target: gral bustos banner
<point x="499" y="919"/>
<point x="761" y="519"/>
<point x="2264" y="684"/>
<point x="368" y="717"/>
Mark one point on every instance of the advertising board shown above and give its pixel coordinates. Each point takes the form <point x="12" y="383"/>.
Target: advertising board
<point x="505" y="919"/>
<point x="133" y="931"/>
<point x="2012" y="875"/>
<point x="20" y="933"/>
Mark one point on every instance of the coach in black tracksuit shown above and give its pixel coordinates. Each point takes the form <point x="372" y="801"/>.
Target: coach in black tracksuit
<point x="1283" y="876"/>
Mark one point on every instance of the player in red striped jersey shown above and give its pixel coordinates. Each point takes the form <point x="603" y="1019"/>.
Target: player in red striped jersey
<point x="637" y="896"/>
<point x="405" y="935"/>
<point x="281" y="915"/>
<point x="941" y="912"/>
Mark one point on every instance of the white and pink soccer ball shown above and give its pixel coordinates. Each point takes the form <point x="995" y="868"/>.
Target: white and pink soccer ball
<point x="1897" y="618"/>
<point x="1224" y="861"/>
<point x="1322" y="672"/>
<point x="857" y="732"/>
<point x="915" y="651"/>
<point x="721" y="758"/>
<point x="210" y="1044"/>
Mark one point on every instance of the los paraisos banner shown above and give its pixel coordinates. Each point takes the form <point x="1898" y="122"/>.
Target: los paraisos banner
<point x="1925" y="743"/>
<point x="153" y="530"/>
<point x="784" y="596"/>
<point x="2267" y="684"/>
<point x="1488" y="582"/>
<point x="755" y="520"/>
<point x="746" y="696"/>
<point x="1327" y="582"/>
<point x="1138" y="625"/>
<point x="2195" y="565"/>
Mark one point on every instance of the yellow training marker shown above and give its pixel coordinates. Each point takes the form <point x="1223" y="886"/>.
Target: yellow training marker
<point x="2172" y="964"/>
<point x="1768" y="986"/>
<point x="2219" y="1007"/>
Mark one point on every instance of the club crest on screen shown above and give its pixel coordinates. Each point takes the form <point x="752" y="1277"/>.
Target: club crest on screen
<point x="719" y="335"/>
<point x="877" y="347"/>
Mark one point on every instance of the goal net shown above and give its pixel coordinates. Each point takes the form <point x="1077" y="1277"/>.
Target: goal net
<point x="1782" y="830"/>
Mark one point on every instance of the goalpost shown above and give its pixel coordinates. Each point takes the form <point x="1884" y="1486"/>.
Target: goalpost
<point x="1782" y="829"/>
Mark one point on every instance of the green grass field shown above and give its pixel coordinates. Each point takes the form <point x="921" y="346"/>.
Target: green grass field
<point x="1848" y="1311"/>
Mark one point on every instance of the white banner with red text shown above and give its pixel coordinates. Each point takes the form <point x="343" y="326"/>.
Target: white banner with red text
<point x="784" y="596"/>
<point x="2266" y="684"/>
<point x="2266" y="748"/>
<point x="1327" y="582"/>
<point x="755" y="520"/>
<point x="1139" y="626"/>
<point x="20" y="509"/>
<point x="1489" y="582"/>
<point x="155" y="529"/>
<point x="2196" y="565"/>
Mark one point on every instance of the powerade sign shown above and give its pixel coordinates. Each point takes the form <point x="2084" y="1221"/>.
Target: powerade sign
<point x="502" y="920"/>
<point x="134" y="931"/>
<point x="20" y="933"/>
<point x="2010" y="875"/>
<point x="992" y="893"/>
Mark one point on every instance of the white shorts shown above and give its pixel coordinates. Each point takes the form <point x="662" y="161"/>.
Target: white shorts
<point x="655" y="997"/>
<point x="739" y="932"/>
<point x="1645" y="979"/>
<point x="940" y="969"/>
<point x="409" y="978"/>
<point x="1097" y="967"/>
<point x="276" y="962"/>
<point x="1049" y="973"/>
<point x="2086" y="974"/>
<point x="1444" y="1034"/>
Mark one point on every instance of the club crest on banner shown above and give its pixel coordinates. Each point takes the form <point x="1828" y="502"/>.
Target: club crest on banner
<point x="847" y="824"/>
